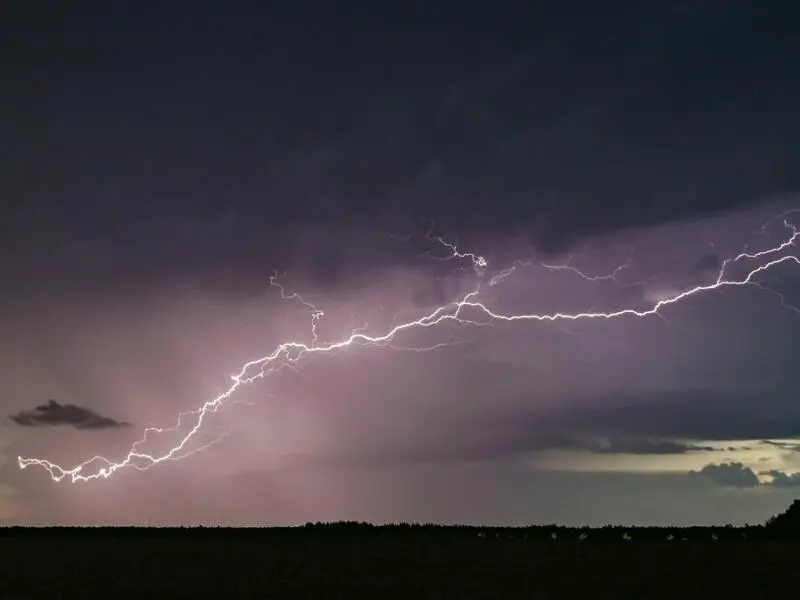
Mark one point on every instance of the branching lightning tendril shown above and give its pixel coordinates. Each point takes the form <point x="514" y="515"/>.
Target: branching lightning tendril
<point x="288" y="354"/>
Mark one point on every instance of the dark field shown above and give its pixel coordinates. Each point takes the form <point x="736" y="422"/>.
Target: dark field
<point x="300" y="563"/>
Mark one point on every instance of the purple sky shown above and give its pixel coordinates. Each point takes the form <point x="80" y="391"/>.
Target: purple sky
<point x="580" y="422"/>
<point x="161" y="168"/>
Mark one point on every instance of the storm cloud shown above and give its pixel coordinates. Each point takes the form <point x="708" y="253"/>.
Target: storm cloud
<point x="148" y="212"/>
<point x="485" y="145"/>
<point x="636" y="446"/>
<point x="688" y="414"/>
<point x="54" y="414"/>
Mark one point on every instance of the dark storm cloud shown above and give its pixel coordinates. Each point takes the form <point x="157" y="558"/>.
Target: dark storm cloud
<point x="482" y="447"/>
<point x="732" y="474"/>
<point x="653" y="423"/>
<point x="637" y="446"/>
<point x="222" y="169"/>
<point x="689" y="414"/>
<point x="54" y="413"/>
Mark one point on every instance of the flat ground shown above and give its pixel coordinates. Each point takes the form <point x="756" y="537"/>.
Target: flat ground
<point x="328" y="566"/>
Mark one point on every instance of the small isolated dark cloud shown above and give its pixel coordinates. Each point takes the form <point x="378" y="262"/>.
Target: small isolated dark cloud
<point x="730" y="474"/>
<point x="54" y="413"/>
<point x="637" y="446"/>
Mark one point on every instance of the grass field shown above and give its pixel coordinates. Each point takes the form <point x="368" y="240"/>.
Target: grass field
<point x="328" y="565"/>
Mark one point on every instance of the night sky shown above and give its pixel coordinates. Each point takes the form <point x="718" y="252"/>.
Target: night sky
<point x="158" y="166"/>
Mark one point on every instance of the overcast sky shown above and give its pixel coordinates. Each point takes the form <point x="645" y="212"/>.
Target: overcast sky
<point x="159" y="168"/>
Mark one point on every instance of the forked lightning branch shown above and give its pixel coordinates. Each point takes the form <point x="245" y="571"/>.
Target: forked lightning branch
<point x="466" y="310"/>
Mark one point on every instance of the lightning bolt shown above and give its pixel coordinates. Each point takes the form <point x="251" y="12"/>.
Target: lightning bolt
<point x="288" y="354"/>
<point x="316" y="314"/>
<point x="479" y="263"/>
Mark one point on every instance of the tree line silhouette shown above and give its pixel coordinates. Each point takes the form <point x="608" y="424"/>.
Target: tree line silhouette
<point x="785" y="525"/>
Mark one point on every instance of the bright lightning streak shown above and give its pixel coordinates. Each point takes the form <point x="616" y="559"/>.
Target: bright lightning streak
<point x="289" y="353"/>
<point x="478" y="262"/>
<point x="316" y="314"/>
<point x="610" y="277"/>
<point x="613" y="276"/>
